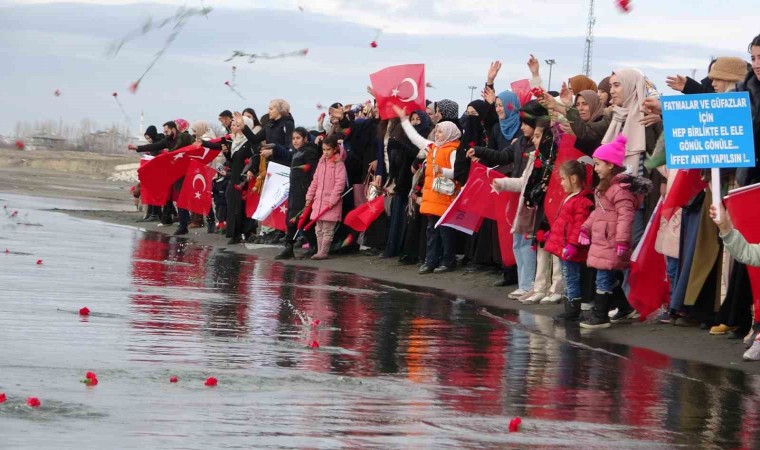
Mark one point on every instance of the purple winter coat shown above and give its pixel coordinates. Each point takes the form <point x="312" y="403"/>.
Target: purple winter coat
<point x="611" y="223"/>
<point x="326" y="189"/>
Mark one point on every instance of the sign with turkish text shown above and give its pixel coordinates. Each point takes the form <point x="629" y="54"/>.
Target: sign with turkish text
<point x="708" y="131"/>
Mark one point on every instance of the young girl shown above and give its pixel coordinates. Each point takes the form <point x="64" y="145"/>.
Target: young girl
<point x="563" y="239"/>
<point x="609" y="228"/>
<point x="325" y="193"/>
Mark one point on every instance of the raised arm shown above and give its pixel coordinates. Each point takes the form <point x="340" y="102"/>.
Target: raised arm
<point x="418" y="141"/>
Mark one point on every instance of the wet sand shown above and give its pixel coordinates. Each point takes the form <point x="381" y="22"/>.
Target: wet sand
<point x="111" y="202"/>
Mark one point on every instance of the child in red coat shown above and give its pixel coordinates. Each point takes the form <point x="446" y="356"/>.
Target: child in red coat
<point x="563" y="239"/>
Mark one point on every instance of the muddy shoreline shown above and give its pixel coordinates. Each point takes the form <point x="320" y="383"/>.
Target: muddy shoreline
<point x="111" y="202"/>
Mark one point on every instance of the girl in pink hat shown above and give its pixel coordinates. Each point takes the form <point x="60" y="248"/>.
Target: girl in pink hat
<point x="609" y="228"/>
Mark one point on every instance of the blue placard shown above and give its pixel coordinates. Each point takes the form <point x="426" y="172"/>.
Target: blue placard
<point x="708" y="131"/>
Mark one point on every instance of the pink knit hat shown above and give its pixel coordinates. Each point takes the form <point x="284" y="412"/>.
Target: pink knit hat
<point x="613" y="152"/>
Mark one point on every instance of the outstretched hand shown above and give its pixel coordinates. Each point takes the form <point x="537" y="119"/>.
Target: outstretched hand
<point x="238" y="119"/>
<point x="493" y="71"/>
<point x="677" y="82"/>
<point x="533" y="65"/>
<point x="400" y="112"/>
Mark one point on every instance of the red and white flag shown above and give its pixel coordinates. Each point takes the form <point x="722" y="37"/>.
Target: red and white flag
<point x="362" y="217"/>
<point x="403" y="86"/>
<point x="278" y="219"/>
<point x="648" y="277"/>
<point x="457" y="218"/>
<point x="745" y="215"/>
<point x="686" y="186"/>
<point x="160" y="173"/>
<point x="274" y="191"/>
<point x="196" y="195"/>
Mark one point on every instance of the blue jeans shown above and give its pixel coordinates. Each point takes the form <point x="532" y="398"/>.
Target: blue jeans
<point x="440" y="245"/>
<point x="605" y="281"/>
<point x="571" y="275"/>
<point x="526" y="262"/>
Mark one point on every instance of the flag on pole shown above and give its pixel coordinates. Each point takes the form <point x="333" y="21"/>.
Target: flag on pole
<point x="402" y="86"/>
<point x="741" y="205"/>
<point x="278" y="219"/>
<point x="648" y="277"/>
<point x="362" y="217"/>
<point x="686" y="185"/>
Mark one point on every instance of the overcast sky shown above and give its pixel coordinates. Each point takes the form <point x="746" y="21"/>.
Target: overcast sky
<point x="62" y="45"/>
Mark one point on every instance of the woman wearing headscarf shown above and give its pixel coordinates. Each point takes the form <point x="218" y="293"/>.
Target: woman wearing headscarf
<point x="586" y="118"/>
<point x="439" y="163"/>
<point x="580" y="83"/>
<point x="401" y="155"/>
<point x="245" y="138"/>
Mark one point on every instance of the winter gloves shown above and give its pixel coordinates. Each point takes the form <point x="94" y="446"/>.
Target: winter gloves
<point x="569" y="252"/>
<point x="621" y="248"/>
<point x="584" y="238"/>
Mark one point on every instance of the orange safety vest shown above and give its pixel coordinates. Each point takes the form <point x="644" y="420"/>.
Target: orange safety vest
<point x="434" y="203"/>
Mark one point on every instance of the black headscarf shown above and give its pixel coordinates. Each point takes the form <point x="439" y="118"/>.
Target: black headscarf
<point x="151" y="132"/>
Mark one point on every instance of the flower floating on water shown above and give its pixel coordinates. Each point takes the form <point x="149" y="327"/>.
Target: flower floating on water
<point x="514" y="425"/>
<point x="314" y="344"/>
<point x="173" y="379"/>
<point x="33" y="402"/>
<point x="84" y="312"/>
<point x="39" y="262"/>
<point x="211" y="382"/>
<point x="90" y="379"/>
<point x="3" y="398"/>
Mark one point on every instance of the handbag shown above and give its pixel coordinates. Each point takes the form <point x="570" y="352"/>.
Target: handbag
<point x="443" y="185"/>
<point x="370" y="190"/>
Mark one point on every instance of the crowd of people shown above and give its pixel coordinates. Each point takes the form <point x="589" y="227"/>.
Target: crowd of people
<point x="420" y="160"/>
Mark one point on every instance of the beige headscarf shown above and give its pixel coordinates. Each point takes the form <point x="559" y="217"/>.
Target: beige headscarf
<point x="201" y="129"/>
<point x="626" y="119"/>
<point x="595" y="106"/>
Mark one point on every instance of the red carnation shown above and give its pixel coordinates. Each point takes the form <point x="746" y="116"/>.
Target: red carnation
<point x="57" y="93"/>
<point x="537" y="164"/>
<point x="373" y="44"/>
<point x="90" y="375"/>
<point x="471" y="144"/>
<point x="3" y="398"/>
<point x="314" y="344"/>
<point x="173" y="379"/>
<point x="211" y="382"/>
<point x="527" y="236"/>
<point x="540" y="236"/>
<point x="315" y="323"/>
<point x="133" y="87"/>
<point x="237" y="187"/>
<point x="90" y="379"/>
<point x="514" y="425"/>
<point x="247" y="161"/>
<point x="34" y="402"/>
<point x="39" y="262"/>
<point x="84" y="312"/>
<point x="115" y="94"/>
<point x="537" y="92"/>
<point x="20" y="144"/>
<point x="347" y="132"/>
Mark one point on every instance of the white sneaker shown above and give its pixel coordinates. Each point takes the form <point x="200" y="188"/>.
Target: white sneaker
<point x="551" y="299"/>
<point x="533" y="299"/>
<point x="517" y="294"/>
<point x="613" y="312"/>
<point x="753" y="354"/>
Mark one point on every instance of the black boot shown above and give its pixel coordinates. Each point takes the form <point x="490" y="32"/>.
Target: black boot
<point x="211" y="229"/>
<point x="600" y="313"/>
<point x="287" y="252"/>
<point x="572" y="310"/>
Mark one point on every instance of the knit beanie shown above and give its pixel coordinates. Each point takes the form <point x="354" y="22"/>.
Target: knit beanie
<point x="728" y="68"/>
<point x="613" y="152"/>
<point x="151" y="132"/>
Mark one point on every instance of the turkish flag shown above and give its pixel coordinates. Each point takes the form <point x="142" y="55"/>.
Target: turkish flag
<point x="403" y="86"/>
<point x="745" y="215"/>
<point x="686" y="186"/>
<point x="160" y="173"/>
<point x="648" y="277"/>
<point x="554" y="192"/>
<point x="278" y="218"/>
<point x="147" y="197"/>
<point x="477" y="195"/>
<point x="362" y="217"/>
<point x="457" y="218"/>
<point x="522" y="89"/>
<point x="251" y="199"/>
<point x="196" y="193"/>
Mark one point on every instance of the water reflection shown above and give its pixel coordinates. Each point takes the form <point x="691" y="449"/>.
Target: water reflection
<point x="473" y="365"/>
<point x="395" y="368"/>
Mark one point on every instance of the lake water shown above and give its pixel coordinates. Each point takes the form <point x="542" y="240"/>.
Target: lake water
<point x="396" y="367"/>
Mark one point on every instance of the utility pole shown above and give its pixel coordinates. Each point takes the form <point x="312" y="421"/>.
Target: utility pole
<point x="472" y="91"/>
<point x="588" y="50"/>
<point x="551" y="64"/>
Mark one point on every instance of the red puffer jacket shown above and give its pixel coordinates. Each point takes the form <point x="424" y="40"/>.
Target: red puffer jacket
<point x="575" y="209"/>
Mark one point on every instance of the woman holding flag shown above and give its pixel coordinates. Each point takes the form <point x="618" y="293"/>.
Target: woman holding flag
<point x="439" y="156"/>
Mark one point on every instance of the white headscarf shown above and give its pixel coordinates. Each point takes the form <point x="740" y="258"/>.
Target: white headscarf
<point x="201" y="129"/>
<point x="626" y="119"/>
<point x="450" y="133"/>
<point x="240" y="139"/>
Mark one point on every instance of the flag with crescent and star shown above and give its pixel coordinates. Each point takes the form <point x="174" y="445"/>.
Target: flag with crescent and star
<point x="362" y="217"/>
<point x="196" y="195"/>
<point x="402" y="86"/>
<point x="274" y="190"/>
<point x="161" y="172"/>
<point x="278" y="218"/>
